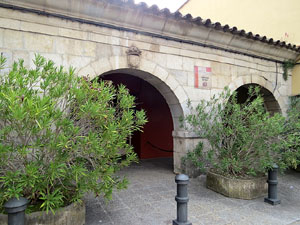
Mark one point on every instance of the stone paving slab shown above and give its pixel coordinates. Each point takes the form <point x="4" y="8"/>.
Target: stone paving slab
<point x="149" y="200"/>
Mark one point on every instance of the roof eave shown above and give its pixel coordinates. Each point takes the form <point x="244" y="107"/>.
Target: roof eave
<point x="152" y="21"/>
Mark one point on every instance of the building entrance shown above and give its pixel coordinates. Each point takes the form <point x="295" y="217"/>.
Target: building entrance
<point x="156" y="140"/>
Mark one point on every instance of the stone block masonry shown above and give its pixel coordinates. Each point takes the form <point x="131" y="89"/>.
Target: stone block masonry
<point x="99" y="47"/>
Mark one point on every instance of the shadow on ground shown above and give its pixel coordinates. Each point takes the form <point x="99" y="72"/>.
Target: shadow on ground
<point x="149" y="200"/>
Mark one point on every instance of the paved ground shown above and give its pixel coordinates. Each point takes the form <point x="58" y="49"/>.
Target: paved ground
<point x="149" y="200"/>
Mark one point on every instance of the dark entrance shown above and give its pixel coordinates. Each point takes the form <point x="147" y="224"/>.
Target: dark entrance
<point x="270" y="103"/>
<point x="156" y="140"/>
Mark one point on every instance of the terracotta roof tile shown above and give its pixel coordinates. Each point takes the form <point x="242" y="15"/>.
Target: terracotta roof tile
<point x="207" y="23"/>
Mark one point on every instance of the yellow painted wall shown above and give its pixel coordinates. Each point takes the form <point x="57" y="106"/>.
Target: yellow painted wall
<point x="277" y="19"/>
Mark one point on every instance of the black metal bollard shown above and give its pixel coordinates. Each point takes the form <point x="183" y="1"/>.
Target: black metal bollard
<point x="15" y="209"/>
<point x="272" y="186"/>
<point x="182" y="199"/>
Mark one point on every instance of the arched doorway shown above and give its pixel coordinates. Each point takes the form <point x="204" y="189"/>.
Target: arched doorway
<point x="156" y="140"/>
<point x="163" y="81"/>
<point x="270" y="103"/>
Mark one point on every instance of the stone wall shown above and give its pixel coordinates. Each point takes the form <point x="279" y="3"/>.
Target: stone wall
<point x="167" y="65"/>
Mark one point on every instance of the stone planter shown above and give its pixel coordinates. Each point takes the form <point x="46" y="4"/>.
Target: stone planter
<point x="237" y="188"/>
<point x="73" y="214"/>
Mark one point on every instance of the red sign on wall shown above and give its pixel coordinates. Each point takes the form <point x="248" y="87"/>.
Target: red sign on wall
<point x="202" y="77"/>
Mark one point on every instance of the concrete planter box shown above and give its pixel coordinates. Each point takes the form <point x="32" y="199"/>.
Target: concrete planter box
<point x="237" y="188"/>
<point x="73" y="214"/>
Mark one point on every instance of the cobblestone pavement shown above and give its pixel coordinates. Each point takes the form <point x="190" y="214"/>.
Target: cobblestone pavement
<point x="149" y="200"/>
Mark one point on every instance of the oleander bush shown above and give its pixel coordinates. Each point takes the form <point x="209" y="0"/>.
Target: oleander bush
<point x="62" y="136"/>
<point x="291" y="135"/>
<point x="244" y="139"/>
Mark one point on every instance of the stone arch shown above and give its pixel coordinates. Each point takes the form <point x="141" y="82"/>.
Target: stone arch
<point x="264" y="83"/>
<point x="157" y="76"/>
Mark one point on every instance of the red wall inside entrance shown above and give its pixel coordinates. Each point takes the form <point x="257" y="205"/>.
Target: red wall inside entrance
<point x="156" y="139"/>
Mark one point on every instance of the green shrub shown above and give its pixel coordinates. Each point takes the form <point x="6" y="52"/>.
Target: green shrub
<point x="195" y="157"/>
<point x="62" y="136"/>
<point x="291" y="135"/>
<point x="244" y="139"/>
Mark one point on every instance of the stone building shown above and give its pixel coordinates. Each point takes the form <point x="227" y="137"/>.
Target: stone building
<point x="275" y="19"/>
<point x="164" y="59"/>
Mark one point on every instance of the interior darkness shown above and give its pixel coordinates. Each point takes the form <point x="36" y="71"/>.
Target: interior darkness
<point x="156" y="140"/>
<point x="270" y="103"/>
<point x="242" y="94"/>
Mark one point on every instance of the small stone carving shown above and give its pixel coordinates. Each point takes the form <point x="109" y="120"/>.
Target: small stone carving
<point x="133" y="57"/>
